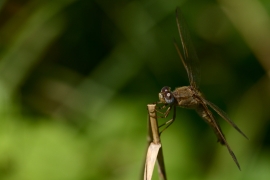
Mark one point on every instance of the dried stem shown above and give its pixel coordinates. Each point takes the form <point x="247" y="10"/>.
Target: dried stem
<point x="154" y="149"/>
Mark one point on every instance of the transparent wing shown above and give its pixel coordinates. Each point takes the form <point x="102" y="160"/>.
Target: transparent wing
<point x="190" y="59"/>
<point x="218" y="130"/>
<point x="224" y="116"/>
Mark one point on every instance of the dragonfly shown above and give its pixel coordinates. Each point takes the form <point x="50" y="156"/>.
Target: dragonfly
<point x="190" y="96"/>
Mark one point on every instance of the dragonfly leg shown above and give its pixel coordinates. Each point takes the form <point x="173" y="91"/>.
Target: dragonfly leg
<point x="164" y="114"/>
<point x="168" y="123"/>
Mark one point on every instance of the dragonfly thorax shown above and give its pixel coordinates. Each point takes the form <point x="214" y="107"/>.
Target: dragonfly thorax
<point x="186" y="97"/>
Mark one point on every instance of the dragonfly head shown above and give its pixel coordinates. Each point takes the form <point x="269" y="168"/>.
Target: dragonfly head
<point x="166" y="96"/>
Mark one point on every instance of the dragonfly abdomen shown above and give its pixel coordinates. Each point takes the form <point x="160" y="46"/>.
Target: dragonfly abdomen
<point x="207" y="117"/>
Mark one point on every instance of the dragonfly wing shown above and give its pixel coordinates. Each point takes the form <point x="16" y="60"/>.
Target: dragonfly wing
<point x="189" y="59"/>
<point x="217" y="130"/>
<point x="224" y="116"/>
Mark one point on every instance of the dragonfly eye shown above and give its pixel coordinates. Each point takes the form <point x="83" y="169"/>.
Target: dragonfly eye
<point x="165" y="89"/>
<point x="168" y="96"/>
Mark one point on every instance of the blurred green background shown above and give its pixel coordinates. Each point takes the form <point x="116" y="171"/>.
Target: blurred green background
<point x="76" y="76"/>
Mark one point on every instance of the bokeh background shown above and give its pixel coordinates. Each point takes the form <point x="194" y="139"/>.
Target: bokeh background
<point x="76" y="76"/>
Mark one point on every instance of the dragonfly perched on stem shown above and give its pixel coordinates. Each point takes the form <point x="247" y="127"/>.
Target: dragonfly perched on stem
<point x="190" y="96"/>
